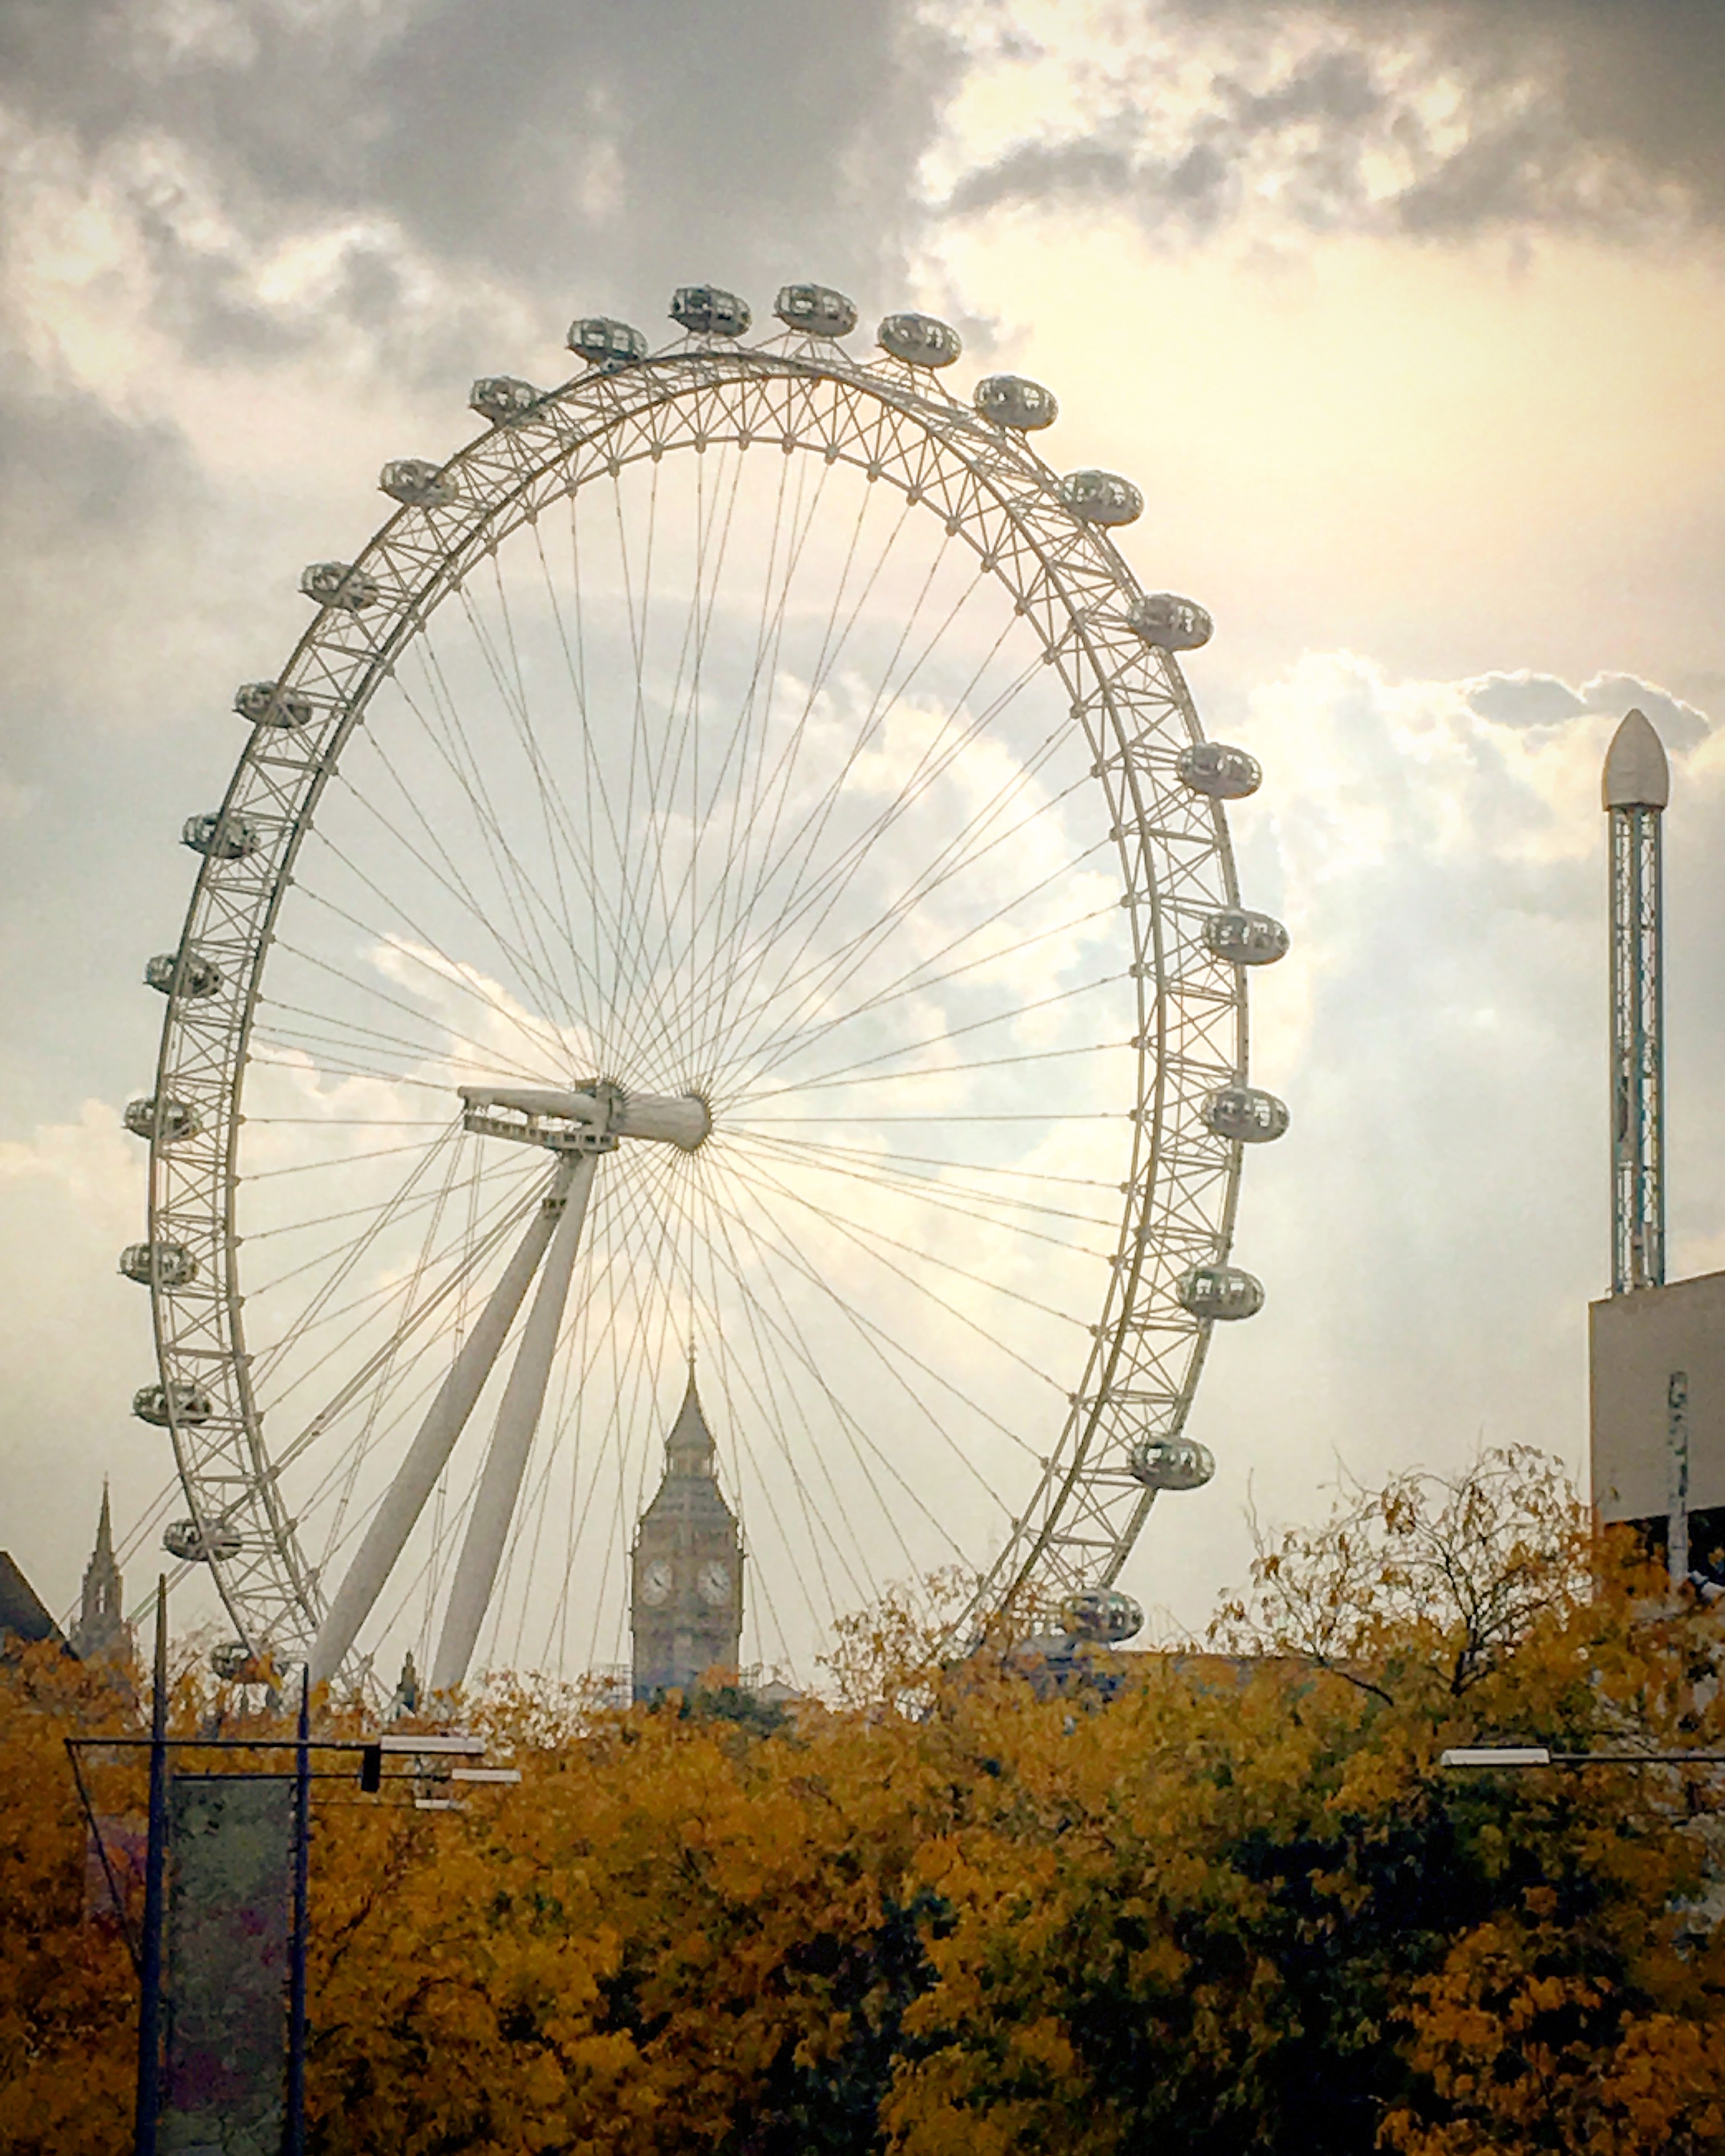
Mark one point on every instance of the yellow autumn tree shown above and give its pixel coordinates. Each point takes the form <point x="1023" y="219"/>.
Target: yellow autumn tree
<point x="1229" y="1904"/>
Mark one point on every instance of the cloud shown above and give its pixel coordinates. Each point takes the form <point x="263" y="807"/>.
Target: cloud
<point x="543" y="142"/>
<point x="1436" y="118"/>
<point x="1526" y="699"/>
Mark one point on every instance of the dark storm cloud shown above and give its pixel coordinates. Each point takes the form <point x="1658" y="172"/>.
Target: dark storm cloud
<point x="602" y="150"/>
<point x="1595" y="114"/>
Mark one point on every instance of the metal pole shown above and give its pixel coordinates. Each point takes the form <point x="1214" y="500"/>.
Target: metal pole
<point x="149" y="2093"/>
<point x="1676" y="1533"/>
<point x="296" y="1975"/>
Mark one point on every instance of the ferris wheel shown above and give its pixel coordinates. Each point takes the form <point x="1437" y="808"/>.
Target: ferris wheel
<point x="732" y="870"/>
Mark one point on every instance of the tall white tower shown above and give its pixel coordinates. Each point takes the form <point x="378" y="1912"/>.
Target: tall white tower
<point x="1637" y="786"/>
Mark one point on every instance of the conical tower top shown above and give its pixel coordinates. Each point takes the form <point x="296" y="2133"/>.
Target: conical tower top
<point x="689" y="1450"/>
<point x="104" y="1551"/>
<point x="1636" y="774"/>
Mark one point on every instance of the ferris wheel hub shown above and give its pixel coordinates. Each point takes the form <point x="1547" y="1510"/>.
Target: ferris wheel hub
<point x="586" y="1119"/>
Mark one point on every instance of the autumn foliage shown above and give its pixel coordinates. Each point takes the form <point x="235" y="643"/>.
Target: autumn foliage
<point x="952" y="1911"/>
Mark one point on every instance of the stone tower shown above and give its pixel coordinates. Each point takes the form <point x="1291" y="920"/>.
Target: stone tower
<point x="101" y="1634"/>
<point x="686" y="1579"/>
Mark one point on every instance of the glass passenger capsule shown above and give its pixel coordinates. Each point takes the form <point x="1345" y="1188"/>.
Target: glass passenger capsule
<point x="816" y="309"/>
<point x="919" y="340"/>
<point x="1101" y="497"/>
<point x="1102" y="1613"/>
<point x="502" y="398"/>
<point x="267" y="704"/>
<point x="340" y="585"/>
<point x="164" y="1265"/>
<point x="178" y="1119"/>
<point x="604" y="343"/>
<point x="705" y="311"/>
<point x="1164" y="618"/>
<point x="202" y="977"/>
<point x="1244" y="937"/>
<point x="191" y="1544"/>
<point x="1224" y="773"/>
<point x="417" y="482"/>
<point x="1221" y="1291"/>
<point x="220" y="838"/>
<point x="191" y="1403"/>
<point x="1012" y="400"/>
<point x="1171" y="1463"/>
<point x="1246" y="1112"/>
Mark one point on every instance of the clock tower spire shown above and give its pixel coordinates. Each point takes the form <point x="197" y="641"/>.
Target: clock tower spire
<point x="686" y="1599"/>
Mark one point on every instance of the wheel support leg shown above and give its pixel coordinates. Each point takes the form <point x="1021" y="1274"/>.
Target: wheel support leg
<point x="445" y="1419"/>
<point x="506" y="1463"/>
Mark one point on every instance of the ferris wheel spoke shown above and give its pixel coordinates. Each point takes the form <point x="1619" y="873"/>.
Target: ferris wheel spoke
<point x="453" y="880"/>
<point x="812" y="827"/>
<point x="556" y="820"/>
<point x="874" y="1337"/>
<point x="319" y="1310"/>
<point x="830" y="651"/>
<point x="874" y="1242"/>
<point x="451" y="973"/>
<point x="941" y="1198"/>
<point x="1013" y="1012"/>
<point x="349" y="1035"/>
<point x="446" y="972"/>
<point x="759" y="695"/>
<point x="643" y="1357"/>
<point x="1012" y="1172"/>
<point x="703" y="916"/>
<point x="776" y="1336"/>
<point x="407" y="1297"/>
<point x="800" y="899"/>
<point x="481" y="1245"/>
<point x="339" y="1068"/>
<point x="885" y="1170"/>
<point x="410" y="1397"/>
<point x="770" y="1399"/>
<point x="843" y="1082"/>
<point x="819" y="898"/>
<point x="530" y="911"/>
<point x="585" y="856"/>
<point x="834" y="969"/>
<point x="917" y="979"/>
<point x="526" y="970"/>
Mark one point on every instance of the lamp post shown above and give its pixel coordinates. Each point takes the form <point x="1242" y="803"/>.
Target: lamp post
<point x="1540" y="1755"/>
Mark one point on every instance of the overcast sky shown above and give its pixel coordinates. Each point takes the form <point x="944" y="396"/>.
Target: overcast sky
<point x="1408" y="321"/>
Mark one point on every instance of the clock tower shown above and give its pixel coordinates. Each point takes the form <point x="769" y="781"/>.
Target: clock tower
<point x="686" y="1567"/>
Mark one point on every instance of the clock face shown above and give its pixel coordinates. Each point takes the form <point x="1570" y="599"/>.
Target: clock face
<point x="656" y="1581"/>
<point x="714" y="1582"/>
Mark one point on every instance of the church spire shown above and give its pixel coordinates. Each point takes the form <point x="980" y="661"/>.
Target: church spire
<point x="689" y="1450"/>
<point x="100" y="1634"/>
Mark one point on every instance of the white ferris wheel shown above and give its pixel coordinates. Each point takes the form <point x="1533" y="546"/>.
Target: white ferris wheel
<point x="730" y="869"/>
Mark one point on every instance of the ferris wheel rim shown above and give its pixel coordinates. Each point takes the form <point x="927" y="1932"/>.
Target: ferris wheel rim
<point x="1009" y="479"/>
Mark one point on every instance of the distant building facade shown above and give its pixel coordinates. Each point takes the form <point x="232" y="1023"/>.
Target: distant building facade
<point x="1657" y="1367"/>
<point x="685" y="1602"/>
